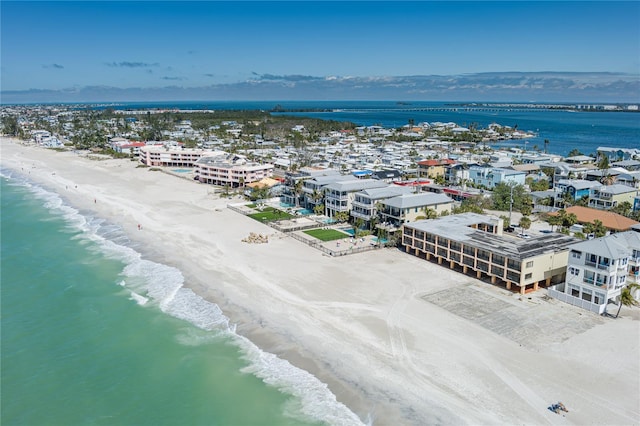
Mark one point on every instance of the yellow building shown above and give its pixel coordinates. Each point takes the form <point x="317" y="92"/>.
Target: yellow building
<point x="473" y="243"/>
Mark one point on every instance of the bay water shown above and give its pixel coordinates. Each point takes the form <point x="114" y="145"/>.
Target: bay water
<point x="93" y="334"/>
<point x="564" y="128"/>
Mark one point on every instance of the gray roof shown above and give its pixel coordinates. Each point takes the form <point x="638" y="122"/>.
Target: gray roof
<point x="457" y="228"/>
<point x="626" y="163"/>
<point x="355" y="184"/>
<point x="617" y="189"/>
<point x="327" y="180"/>
<point x="386" y="192"/>
<point x="580" y="158"/>
<point x="615" y="246"/>
<point x="579" y="183"/>
<point x="406" y="201"/>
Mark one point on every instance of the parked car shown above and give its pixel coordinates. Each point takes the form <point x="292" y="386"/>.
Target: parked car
<point x="525" y="236"/>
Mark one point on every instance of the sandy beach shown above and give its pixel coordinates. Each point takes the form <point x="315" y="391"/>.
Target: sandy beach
<point x="398" y="340"/>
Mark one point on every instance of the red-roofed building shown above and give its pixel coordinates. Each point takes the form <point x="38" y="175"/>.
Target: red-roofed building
<point x="612" y="221"/>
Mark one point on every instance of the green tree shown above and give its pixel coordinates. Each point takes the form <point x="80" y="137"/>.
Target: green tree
<point x="501" y="197"/>
<point x="626" y="296"/>
<point x="596" y="228"/>
<point x="318" y="209"/>
<point x="341" y="216"/>
<point x="603" y="166"/>
<point x="574" y="153"/>
<point x="357" y="226"/>
<point x="525" y="223"/>
<point x="428" y="213"/>
<point x="297" y="190"/>
<point x="475" y="204"/>
<point x="555" y="220"/>
<point x="623" y="208"/>
<point x="10" y="125"/>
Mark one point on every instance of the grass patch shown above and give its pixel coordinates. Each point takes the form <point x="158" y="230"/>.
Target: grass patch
<point x="326" y="234"/>
<point x="269" y="214"/>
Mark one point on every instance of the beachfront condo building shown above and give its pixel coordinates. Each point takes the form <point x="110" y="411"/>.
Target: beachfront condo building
<point x="409" y="207"/>
<point x="230" y="169"/>
<point x="367" y="203"/>
<point x="304" y="186"/>
<point x="167" y="156"/>
<point x="598" y="269"/>
<point x="474" y="243"/>
<point x="339" y="195"/>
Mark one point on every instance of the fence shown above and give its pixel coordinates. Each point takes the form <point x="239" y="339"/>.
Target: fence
<point x="312" y="242"/>
<point x="575" y="301"/>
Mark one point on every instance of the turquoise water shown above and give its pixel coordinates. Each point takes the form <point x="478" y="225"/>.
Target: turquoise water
<point x="182" y="170"/>
<point x="349" y="231"/>
<point x="94" y="334"/>
<point x="305" y="212"/>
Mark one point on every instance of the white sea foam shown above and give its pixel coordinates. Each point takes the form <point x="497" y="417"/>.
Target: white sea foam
<point x="156" y="284"/>
<point x="316" y="401"/>
<point x="140" y="300"/>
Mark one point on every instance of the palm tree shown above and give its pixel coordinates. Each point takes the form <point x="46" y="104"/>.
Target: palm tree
<point x="428" y="213"/>
<point x="525" y="223"/>
<point x="546" y="146"/>
<point x="603" y="166"/>
<point x="626" y="296"/>
<point x="297" y="188"/>
<point x="316" y="196"/>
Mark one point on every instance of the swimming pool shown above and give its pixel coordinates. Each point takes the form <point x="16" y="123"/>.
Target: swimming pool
<point x="182" y="170"/>
<point x="305" y="212"/>
<point x="349" y="231"/>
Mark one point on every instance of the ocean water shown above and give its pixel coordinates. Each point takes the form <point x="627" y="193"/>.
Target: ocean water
<point x="564" y="129"/>
<point x="93" y="334"/>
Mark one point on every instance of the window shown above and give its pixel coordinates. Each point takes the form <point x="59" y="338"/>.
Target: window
<point x="574" y="271"/>
<point x="575" y="291"/>
<point x="575" y="254"/>
<point x="530" y="264"/>
<point x="527" y="276"/>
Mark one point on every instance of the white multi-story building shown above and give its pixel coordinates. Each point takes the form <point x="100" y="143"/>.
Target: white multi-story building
<point x="598" y="269"/>
<point x="339" y="196"/>
<point x="230" y="169"/>
<point x="366" y="203"/>
<point x="166" y="156"/>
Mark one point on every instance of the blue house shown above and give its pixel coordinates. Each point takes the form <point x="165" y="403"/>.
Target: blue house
<point x="577" y="188"/>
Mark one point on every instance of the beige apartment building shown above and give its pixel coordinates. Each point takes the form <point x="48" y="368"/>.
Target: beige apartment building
<point x="474" y="243"/>
<point x="160" y="156"/>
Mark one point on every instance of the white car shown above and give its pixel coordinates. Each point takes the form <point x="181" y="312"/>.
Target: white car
<point x="525" y="236"/>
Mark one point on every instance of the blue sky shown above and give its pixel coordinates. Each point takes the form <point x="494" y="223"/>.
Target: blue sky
<point x="59" y="46"/>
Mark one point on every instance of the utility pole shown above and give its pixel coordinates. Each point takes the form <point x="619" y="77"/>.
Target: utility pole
<point x="510" y="203"/>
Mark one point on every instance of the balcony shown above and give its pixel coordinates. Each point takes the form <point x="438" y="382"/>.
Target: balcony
<point x="603" y="266"/>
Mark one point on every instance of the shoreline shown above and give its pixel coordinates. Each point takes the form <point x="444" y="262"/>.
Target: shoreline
<point x="359" y="323"/>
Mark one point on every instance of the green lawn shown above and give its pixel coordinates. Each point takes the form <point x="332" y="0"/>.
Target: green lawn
<point x="269" y="214"/>
<point x="326" y="234"/>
